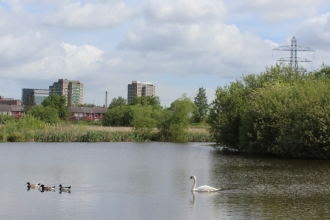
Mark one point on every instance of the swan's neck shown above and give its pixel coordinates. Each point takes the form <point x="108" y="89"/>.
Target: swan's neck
<point x="194" y="185"/>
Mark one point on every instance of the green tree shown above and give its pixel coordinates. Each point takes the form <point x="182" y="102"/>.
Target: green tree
<point x="118" y="116"/>
<point x="231" y="101"/>
<point x="89" y="105"/>
<point x="118" y="102"/>
<point x="175" y="120"/>
<point x="288" y="120"/>
<point x="202" y="105"/>
<point x="121" y="114"/>
<point x="148" y="100"/>
<point x="6" y="119"/>
<point x="323" y="72"/>
<point x="280" y="111"/>
<point x="46" y="114"/>
<point x="59" y="103"/>
<point x="29" y="103"/>
<point x="225" y="114"/>
<point x="144" y="119"/>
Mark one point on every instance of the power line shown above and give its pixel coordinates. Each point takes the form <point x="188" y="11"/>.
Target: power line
<point x="293" y="48"/>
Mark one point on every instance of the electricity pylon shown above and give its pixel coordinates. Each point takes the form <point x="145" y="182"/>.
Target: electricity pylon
<point x="293" y="48"/>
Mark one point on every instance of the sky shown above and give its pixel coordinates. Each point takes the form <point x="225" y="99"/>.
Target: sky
<point x="178" y="45"/>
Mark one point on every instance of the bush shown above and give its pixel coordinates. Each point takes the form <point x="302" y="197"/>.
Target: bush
<point x="281" y="112"/>
<point x="289" y="121"/>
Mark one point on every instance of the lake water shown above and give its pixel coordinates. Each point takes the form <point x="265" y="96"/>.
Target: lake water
<point x="151" y="181"/>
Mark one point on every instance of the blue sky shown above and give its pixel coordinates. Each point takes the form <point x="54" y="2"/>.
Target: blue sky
<point x="178" y="45"/>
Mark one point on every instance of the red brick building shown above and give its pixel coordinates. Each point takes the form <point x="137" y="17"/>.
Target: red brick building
<point x="9" y="101"/>
<point x="87" y="113"/>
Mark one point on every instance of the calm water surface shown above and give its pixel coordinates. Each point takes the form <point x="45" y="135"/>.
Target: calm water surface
<point x="151" y="181"/>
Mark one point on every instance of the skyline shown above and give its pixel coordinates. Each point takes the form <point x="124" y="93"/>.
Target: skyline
<point x="179" y="45"/>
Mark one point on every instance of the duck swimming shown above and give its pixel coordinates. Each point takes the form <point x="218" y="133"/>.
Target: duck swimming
<point x="46" y="188"/>
<point x="33" y="186"/>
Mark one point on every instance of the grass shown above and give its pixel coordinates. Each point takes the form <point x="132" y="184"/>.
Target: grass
<point x="86" y="132"/>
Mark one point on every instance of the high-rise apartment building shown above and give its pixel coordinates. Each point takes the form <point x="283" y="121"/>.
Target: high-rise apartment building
<point x="72" y="90"/>
<point x="138" y="88"/>
<point x="34" y="96"/>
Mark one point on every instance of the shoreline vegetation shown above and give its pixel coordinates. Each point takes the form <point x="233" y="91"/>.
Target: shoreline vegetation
<point x="282" y="112"/>
<point x="88" y="133"/>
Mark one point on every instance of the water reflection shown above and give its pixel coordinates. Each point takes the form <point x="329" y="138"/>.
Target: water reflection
<point x="64" y="191"/>
<point x="204" y="196"/>
<point x="271" y="186"/>
<point x="193" y="201"/>
<point x="46" y="190"/>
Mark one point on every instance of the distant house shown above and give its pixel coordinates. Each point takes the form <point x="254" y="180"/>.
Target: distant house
<point x="15" y="110"/>
<point x="87" y="113"/>
<point x="9" y="101"/>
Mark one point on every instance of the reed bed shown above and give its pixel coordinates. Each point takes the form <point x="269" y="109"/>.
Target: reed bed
<point x="30" y="129"/>
<point x="86" y="136"/>
<point x="90" y="136"/>
<point x="200" y="137"/>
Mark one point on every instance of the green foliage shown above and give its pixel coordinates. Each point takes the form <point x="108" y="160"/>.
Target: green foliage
<point x="281" y="112"/>
<point x="225" y="114"/>
<point x="86" y="136"/>
<point x="202" y="105"/>
<point x="323" y="72"/>
<point x="4" y="119"/>
<point x="199" y="137"/>
<point x="289" y="120"/>
<point x="29" y="122"/>
<point x="148" y="100"/>
<point x="46" y="114"/>
<point x="29" y="103"/>
<point x="59" y="103"/>
<point x="85" y="122"/>
<point x="145" y="119"/>
<point x="117" y="102"/>
<point x="175" y="120"/>
<point x="20" y="130"/>
<point x="88" y="105"/>
<point x="3" y="136"/>
<point x="118" y="116"/>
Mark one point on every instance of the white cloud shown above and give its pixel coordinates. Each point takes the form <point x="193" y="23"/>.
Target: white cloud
<point x="197" y="48"/>
<point x="315" y="31"/>
<point x="279" y="10"/>
<point x="76" y="15"/>
<point x="70" y="61"/>
<point x="184" y="10"/>
<point x="20" y="48"/>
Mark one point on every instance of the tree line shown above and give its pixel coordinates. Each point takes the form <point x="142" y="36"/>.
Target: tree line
<point x="281" y="111"/>
<point x="145" y="114"/>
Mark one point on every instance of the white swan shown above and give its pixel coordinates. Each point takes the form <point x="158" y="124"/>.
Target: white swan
<point x="202" y="188"/>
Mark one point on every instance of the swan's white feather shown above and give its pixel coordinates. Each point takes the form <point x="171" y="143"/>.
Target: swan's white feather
<point x="206" y="188"/>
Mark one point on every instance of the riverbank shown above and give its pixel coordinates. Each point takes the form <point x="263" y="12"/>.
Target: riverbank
<point x="92" y="133"/>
